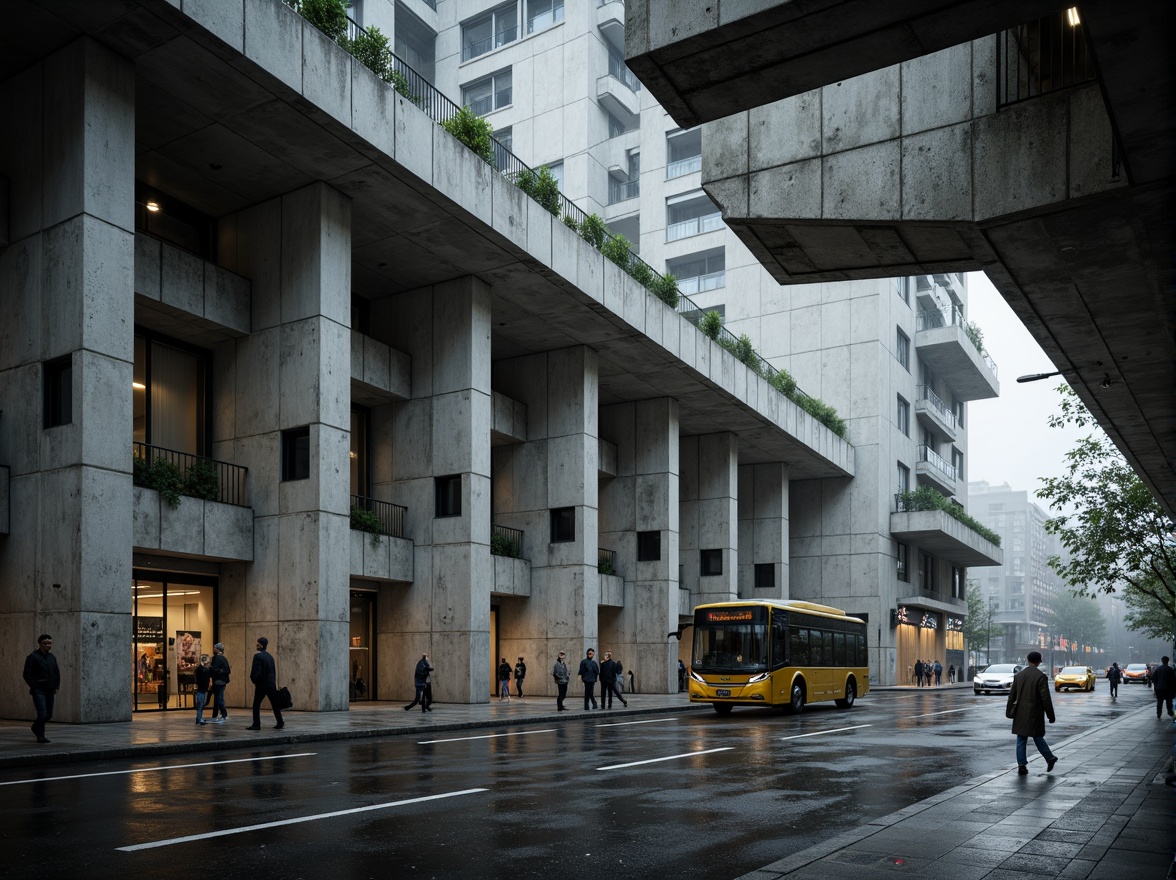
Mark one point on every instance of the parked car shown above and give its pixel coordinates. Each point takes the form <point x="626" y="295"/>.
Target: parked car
<point x="1074" y="677"/>
<point x="1136" y="673"/>
<point x="997" y="678"/>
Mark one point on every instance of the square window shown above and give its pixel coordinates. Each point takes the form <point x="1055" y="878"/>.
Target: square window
<point x="59" y="392"/>
<point x="563" y="524"/>
<point x="296" y="454"/>
<point x="765" y="575"/>
<point x="448" y="495"/>
<point x="710" y="562"/>
<point x="648" y="546"/>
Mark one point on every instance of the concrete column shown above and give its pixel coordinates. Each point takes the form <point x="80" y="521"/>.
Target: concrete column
<point x="444" y="430"/>
<point x="293" y="371"/>
<point x="763" y="528"/>
<point x="556" y="468"/>
<point x="710" y="489"/>
<point x="643" y="498"/>
<point x="67" y="278"/>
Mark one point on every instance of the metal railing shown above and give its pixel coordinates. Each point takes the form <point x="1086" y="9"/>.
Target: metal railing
<point x="622" y="191"/>
<point x="694" y="226"/>
<point x="506" y="541"/>
<point x="932" y="319"/>
<point x="619" y="70"/>
<point x="201" y="477"/>
<point x="481" y="47"/>
<point x="391" y="516"/>
<point x="1042" y="56"/>
<point x="683" y="167"/>
<point x="929" y="397"/>
<point x="703" y="283"/>
<point x="929" y="456"/>
<point x="606" y="560"/>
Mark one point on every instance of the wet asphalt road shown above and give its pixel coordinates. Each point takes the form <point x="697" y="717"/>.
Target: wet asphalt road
<point x="571" y="801"/>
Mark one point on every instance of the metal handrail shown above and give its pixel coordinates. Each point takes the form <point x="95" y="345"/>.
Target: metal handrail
<point x="620" y="71"/>
<point x="622" y="191"/>
<point x="694" y="226"/>
<point x="606" y="558"/>
<point x="703" y="283"/>
<point x="514" y="536"/>
<point x="682" y="167"/>
<point x="925" y="394"/>
<point x="494" y="41"/>
<point x="1042" y="56"/>
<point x="230" y="485"/>
<point x="391" y="516"/>
<point x="929" y="456"/>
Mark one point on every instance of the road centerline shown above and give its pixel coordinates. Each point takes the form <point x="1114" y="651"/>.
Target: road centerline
<point x="429" y="742"/>
<point x="945" y="712"/>
<point x="834" y="730"/>
<point x="158" y="769"/>
<point x="624" y="723"/>
<point x="172" y="841"/>
<point x="666" y="758"/>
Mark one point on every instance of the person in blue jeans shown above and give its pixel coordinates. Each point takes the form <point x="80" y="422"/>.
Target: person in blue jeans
<point x="1028" y="706"/>
<point x="203" y="681"/>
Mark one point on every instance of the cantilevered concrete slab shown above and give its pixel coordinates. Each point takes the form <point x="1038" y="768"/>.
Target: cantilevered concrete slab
<point x="946" y="537"/>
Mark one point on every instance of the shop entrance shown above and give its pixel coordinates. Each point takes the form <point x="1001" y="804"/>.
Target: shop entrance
<point x="362" y="660"/>
<point x="173" y="622"/>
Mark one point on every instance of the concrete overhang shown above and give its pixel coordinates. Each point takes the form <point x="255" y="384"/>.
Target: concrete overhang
<point x="942" y="535"/>
<point x="610" y="18"/>
<point x="616" y="97"/>
<point x="233" y="111"/>
<point x="933" y="475"/>
<point x="929" y="603"/>
<point x="949" y="352"/>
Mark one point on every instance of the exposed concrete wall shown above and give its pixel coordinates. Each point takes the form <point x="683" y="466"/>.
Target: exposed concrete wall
<point x="710" y="519"/>
<point x="68" y="278"/>
<point x="293" y="370"/>
<point x="763" y="528"/>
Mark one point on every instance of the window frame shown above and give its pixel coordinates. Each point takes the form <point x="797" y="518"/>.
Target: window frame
<point x="447" y="501"/>
<point x="496" y="29"/>
<point x="559" y="522"/>
<point x="57" y="392"/>
<point x="292" y="454"/>
<point x="902" y="349"/>
<point x="710" y="562"/>
<point x="649" y="546"/>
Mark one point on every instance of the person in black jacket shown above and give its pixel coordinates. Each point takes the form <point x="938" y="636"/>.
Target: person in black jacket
<point x="264" y="676"/>
<point x="44" y="680"/>
<point x="589" y="673"/>
<point x="520" y="674"/>
<point x="421" y="679"/>
<point x="1114" y="676"/>
<point x="220" y="678"/>
<point x="203" y="684"/>
<point x="1163" y="686"/>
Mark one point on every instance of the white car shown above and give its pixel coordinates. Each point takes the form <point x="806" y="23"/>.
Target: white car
<point x="997" y="678"/>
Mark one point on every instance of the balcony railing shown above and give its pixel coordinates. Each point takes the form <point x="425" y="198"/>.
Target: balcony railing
<point x="703" y="283"/>
<point x="683" y="167"/>
<point x="618" y="70"/>
<point x="199" y="477"/>
<point x="506" y="541"/>
<point x="481" y="47"/>
<point x="929" y="397"/>
<point x="389" y="516"/>
<point x="931" y="319"/>
<point x="1042" y="56"/>
<point x="606" y="561"/>
<point x="622" y="191"/>
<point x="931" y="457"/>
<point x="694" y="226"/>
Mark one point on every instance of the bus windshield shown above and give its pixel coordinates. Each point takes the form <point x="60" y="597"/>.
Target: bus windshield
<point x="731" y="645"/>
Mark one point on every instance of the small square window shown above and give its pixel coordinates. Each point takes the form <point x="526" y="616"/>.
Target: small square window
<point x="59" y="392"/>
<point x="448" y="495"/>
<point x="296" y="454"/>
<point x="765" y="575"/>
<point x="648" y="546"/>
<point x="710" y="562"/>
<point x="563" y="525"/>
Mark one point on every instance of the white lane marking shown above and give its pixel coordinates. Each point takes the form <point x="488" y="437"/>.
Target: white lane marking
<point x="158" y="769"/>
<point x="623" y="723"/>
<point x="946" y="712"/>
<point x="834" y="730"/>
<point x="667" y="758"/>
<point x="429" y="742"/>
<point x="247" y="828"/>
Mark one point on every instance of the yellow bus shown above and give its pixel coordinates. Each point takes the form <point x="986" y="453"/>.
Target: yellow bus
<point x="777" y="653"/>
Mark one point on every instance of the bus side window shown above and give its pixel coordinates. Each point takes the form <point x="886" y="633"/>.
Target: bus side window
<point x="779" y="642"/>
<point x="860" y="650"/>
<point x="798" y="653"/>
<point x="839" y="649"/>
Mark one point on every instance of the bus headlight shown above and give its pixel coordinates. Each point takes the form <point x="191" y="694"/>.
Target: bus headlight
<point x="698" y="678"/>
<point x="763" y="676"/>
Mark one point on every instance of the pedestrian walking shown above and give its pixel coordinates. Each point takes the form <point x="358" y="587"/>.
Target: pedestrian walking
<point x="619" y="682"/>
<point x="203" y="686"/>
<point x="1164" y="686"/>
<point x="938" y="673"/>
<point x="520" y="674"/>
<point x="589" y="674"/>
<point x="560" y="673"/>
<point x="220" y="679"/>
<point x="264" y="675"/>
<point x="1114" y="677"/>
<point x="951" y="674"/>
<point x="918" y="673"/>
<point x="503" y="680"/>
<point x="681" y="676"/>
<point x="420" y="679"/>
<point x="610" y="671"/>
<point x="44" y="680"/>
<point x="1028" y="706"/>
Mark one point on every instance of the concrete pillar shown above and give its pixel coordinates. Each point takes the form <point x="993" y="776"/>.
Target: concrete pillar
<point x="443" y="431"/>
<point x="67" y="278"/>
<point x="643" y="498"/>
<point x="555" y="469"/>
<point x="710" y="490"/>
<point x="763" y="528"/>
<point x="292" y="372"/>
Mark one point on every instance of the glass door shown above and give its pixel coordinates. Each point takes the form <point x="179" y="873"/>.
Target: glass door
<point x="173" y="623"/>
<point x="362" y="662"/>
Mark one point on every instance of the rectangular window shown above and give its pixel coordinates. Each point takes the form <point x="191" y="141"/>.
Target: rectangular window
<point x="58" y="377"/>
<point x="296" y="454"/>
<point x="957" y="582"/>
<point x="839" y="656"/>
<point x="415" y="43"/>
<point x="169" y="394"/>
<point x="542" y="14"/>
<point x="926" y="572"/>
<point x="649" y="547"/>
<point x="957" y="462"/>
<point x="798" y="646"/>
<point x="765" y="575"/>
<point x="902" y="555"/>
<point x="957" y="408"/>
<point x="563" y="525"/>
<point x="358" y="454"/>
<point x="489" y="93"/>
<point x="447" y="492"/>
<point x="710" y="562"/>
<point x="902" y="350"/>
<point x="489" y="31"/>
<point x="904" y="416"/>
<point x="683" y="152"/>
<point x="902" y="287"/>
<point x="904" y="478"/>
<point x="700" y="272"/>
<point x="693" y="215"/>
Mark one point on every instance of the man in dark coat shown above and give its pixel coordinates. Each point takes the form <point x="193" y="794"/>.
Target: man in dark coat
<point x="919" y="673"/>
<point x="1114" y="676"/>
<point x="1029" y="705"/>
<point x="264" y="676"/>
<point x="589" y="673"/>
<point x="44" y="680"/>
<point x="420" y="679"/>
<point x="1164" y="686"/>
<point x="560" y="673"/>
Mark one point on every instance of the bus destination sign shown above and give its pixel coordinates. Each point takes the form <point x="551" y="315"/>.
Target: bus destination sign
<point x="730" y="615"/>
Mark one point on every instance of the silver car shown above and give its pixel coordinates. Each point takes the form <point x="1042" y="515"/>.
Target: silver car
<point x="997" y="678"/>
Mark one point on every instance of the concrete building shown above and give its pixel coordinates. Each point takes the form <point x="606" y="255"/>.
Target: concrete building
<point x="282" y="357"/>
<point x="1021" y="591"/>
<point x="1032" y="140"/>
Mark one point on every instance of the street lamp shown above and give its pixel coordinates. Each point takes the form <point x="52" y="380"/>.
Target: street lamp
<point x="991" y="600"/>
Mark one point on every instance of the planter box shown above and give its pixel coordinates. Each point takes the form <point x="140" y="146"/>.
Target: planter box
<point x="390" y="559"/>
<point x="197" y="528"/>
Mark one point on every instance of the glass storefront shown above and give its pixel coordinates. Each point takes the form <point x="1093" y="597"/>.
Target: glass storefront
<point x="361" y="677"/>
<point x="173" y="622"/>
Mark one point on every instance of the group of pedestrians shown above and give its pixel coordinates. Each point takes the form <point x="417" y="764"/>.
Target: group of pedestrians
<point x="504" y="674"/>
<point x="927" y="670"/>
<point x="610" y="674"/>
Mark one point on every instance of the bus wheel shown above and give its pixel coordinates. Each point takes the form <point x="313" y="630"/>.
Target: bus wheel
<point x="722" y="708"/>
<point x="796" y="703"/>
<point x="850" y="696"/>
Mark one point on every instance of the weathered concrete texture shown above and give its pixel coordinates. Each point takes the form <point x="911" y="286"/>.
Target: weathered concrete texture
<point x="189" y="297"/>
<point x="205" y="529"/>
<point x="709" y="499"/>
<point x="379" y="373"/>
<point x="763" y="529"/>
<point x="380" y="558"/>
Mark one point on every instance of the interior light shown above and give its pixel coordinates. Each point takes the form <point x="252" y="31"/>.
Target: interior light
<point x="138" y="386"/>
<point x="1072" y="16"/>
<point x="152" y="206"/>
<point x="353" y="454"/>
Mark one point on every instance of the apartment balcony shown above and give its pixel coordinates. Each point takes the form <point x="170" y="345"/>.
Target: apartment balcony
<point x="682" y="167"/>
<point x="623" y="190"/>
<point x="933" y="414"/>
<point x="930" y="468"/>
<point x="610" y="18"/>
<point x="943" y="343"/>
<point x="940" y="534"/>
<point x="617" y="97"/>
<point x="694" y="226"/>
<point x="702" y="283"/>
<point x="379" y="549"/>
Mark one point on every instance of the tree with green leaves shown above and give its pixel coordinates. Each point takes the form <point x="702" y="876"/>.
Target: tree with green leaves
<point x="979" y="630"/>
<point x="1147" y="616"/>
<point x="1078" y="620"/>
<point x="1118" y="537"/>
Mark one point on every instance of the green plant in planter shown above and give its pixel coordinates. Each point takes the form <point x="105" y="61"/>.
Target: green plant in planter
<point x="167" y="479"/>
<point x="606" y="567"/>
<point x="617" y="249"/>
<point x="640" y="272"/>
<point x="500" y="545"/>
<point x="665" y="288"/>
<point x="366" y="521"/>
<point x="711" y="324"/>
<point x="141" y="471"/>
<point x="745" y="351"/>
<point x="329" y="16"/>
<point x="593" y="231"/>
<point x="371" y="49"/>
<point x="975" y="334"/>
<point x="784" y="383"/>
<point x="570" y="222"/>
<point x="473" y="131"/>
<point x="542" y="187"/>
<point x="202" y="481"/>
<point x="399" y="83"/>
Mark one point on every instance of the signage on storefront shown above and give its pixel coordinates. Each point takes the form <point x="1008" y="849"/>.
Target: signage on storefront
<point x="148" y="629"/>
<point x="955" y="624"/>
<point x="930" y="620"/>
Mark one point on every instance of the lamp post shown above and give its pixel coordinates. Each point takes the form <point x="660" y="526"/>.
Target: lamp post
<point x="988" y="652"/>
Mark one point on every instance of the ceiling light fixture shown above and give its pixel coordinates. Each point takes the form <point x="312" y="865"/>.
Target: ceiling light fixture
<point x="1072" y="17"/>
<point x="138" y="386"/>
<point x="152" y="206"/>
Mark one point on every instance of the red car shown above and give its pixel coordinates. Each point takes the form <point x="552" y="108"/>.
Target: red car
<point x="1136" y="673"/>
